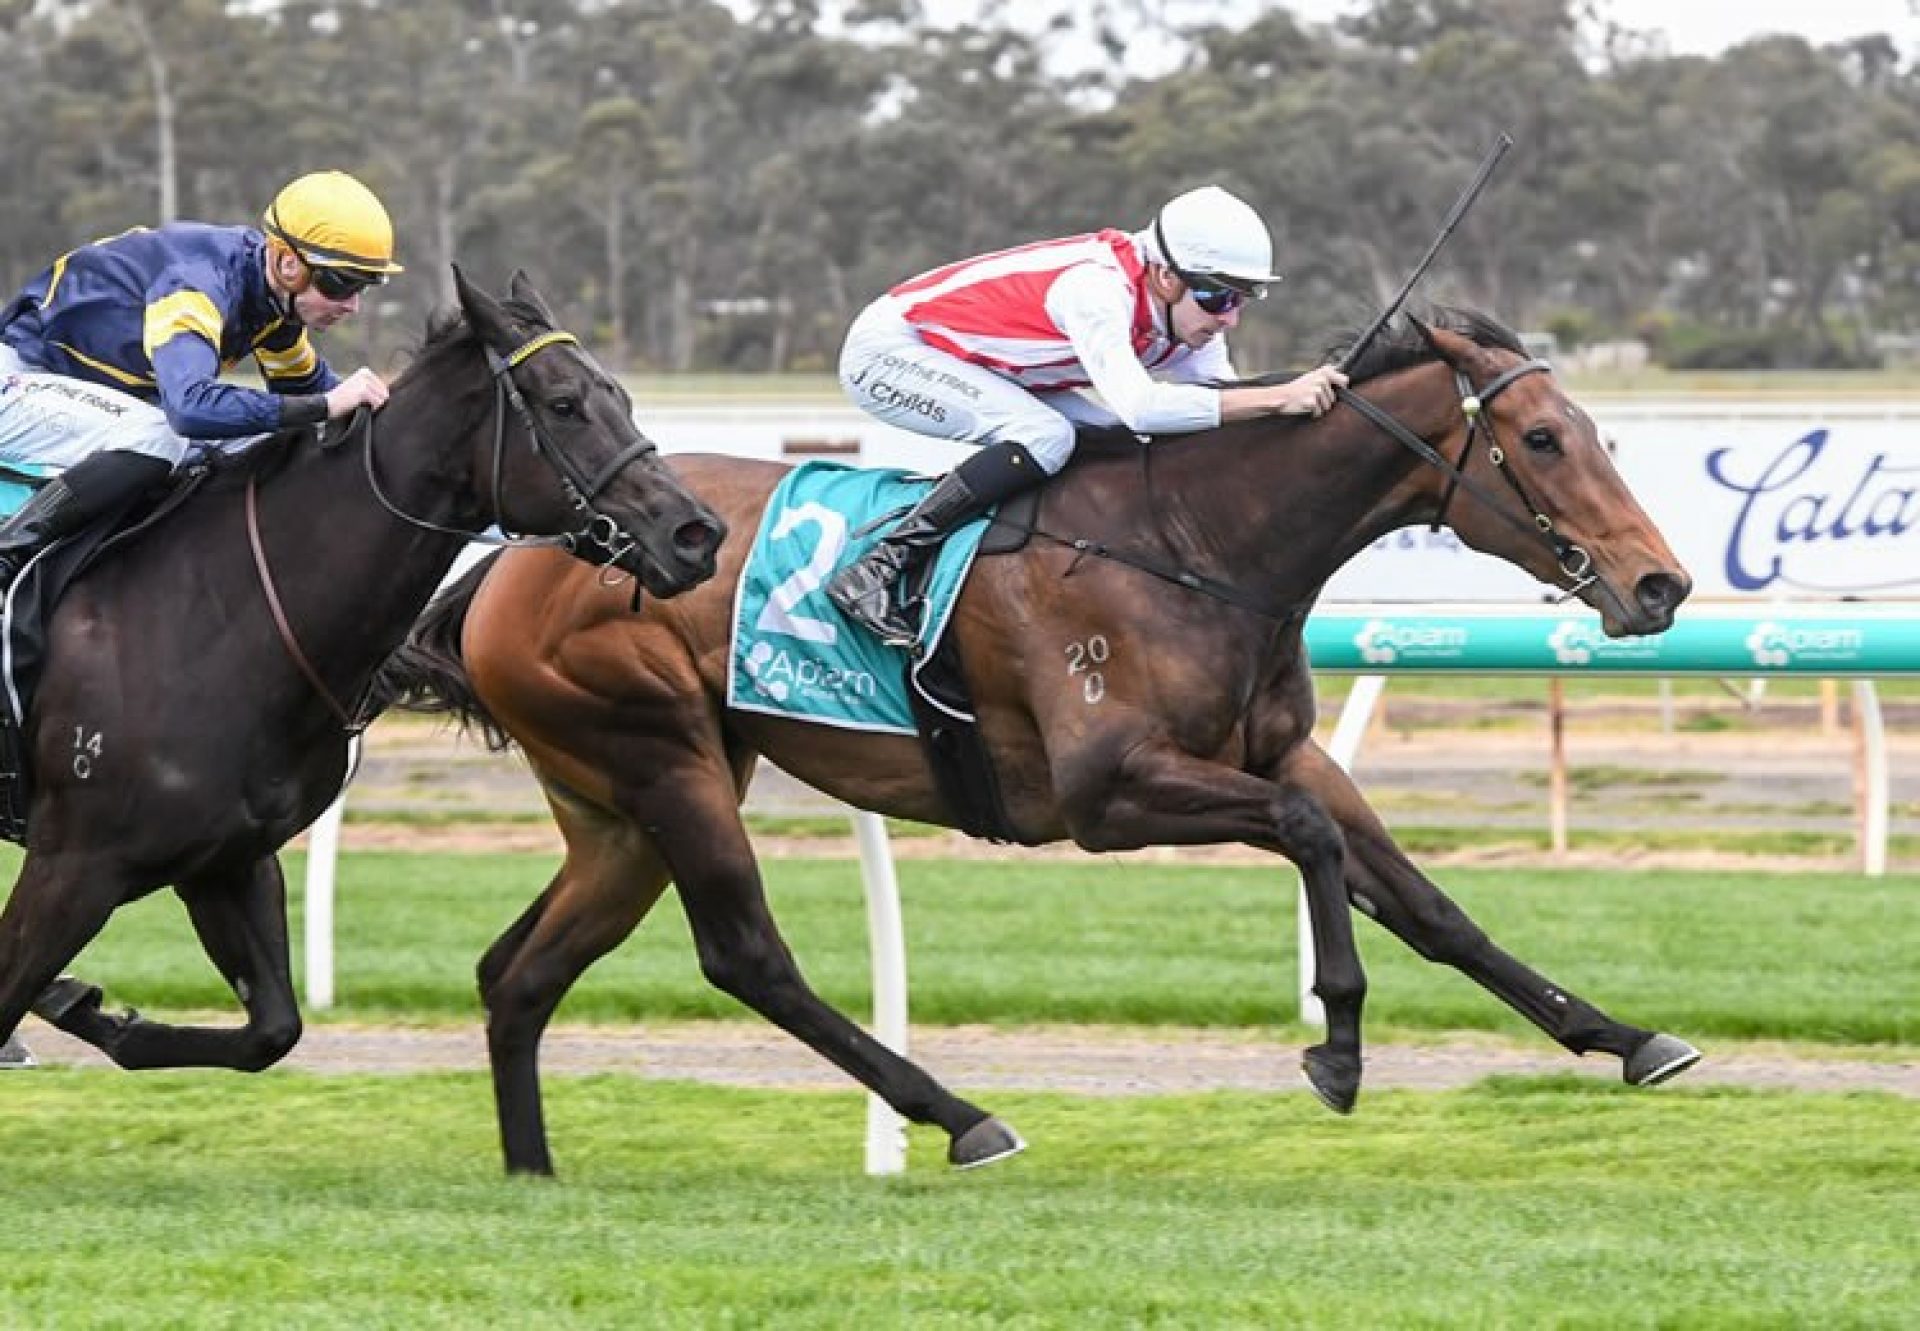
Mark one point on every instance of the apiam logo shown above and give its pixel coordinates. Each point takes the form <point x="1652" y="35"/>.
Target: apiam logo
<point x="1573" y="642"/>
<point x="1776" y="646"/>
<point x="1383" y="642"/>
<point x="1814" y="516"/>
<point x="779" y="675"/>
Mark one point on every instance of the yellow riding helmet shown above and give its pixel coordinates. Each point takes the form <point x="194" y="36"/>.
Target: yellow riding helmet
<point x="331" y="220"/>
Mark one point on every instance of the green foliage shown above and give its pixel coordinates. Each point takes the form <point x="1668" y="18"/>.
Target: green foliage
<point x="715" y="186"/>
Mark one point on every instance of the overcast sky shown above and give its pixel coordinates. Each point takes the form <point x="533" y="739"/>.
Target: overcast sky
<point x="1689" y="27"/>
<point x="1707" y="27"/>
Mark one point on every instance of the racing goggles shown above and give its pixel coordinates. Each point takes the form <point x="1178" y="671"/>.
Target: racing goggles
<point x="343" y="283"/>
<point x="1215" y="300"/>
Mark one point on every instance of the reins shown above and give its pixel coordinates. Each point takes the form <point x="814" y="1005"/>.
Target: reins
<point x="1573" y="560"/>
<point x="600" y="531"/>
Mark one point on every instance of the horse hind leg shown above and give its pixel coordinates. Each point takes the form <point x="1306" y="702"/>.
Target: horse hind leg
<point x="240" y="918"/>
<point x="742" y="954"/>
<point x="610" y="879"/>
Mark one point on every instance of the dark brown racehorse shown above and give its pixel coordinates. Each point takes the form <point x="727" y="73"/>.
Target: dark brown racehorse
<point x="1203" y="733"/>
<point x="179" y="739"/>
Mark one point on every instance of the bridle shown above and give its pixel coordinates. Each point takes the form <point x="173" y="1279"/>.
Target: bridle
<point x="599" y="532"/>
<point x="1575" y="563"/>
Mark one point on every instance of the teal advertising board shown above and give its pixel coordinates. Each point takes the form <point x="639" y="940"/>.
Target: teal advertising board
<point x="1825" y="641"/>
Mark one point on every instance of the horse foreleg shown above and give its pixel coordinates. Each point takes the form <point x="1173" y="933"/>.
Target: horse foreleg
<point x="241" y="919"/>
<point x="1385" y="885"/>
<point x="1158" y="795"/>
<point x="55" y="909"/>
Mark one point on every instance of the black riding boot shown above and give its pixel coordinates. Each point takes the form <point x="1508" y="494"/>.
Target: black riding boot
<point x="864" y="590"/>
<point x="87" y="490"/>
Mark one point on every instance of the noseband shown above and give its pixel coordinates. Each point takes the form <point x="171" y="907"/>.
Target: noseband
<point x="1575" y="564"/>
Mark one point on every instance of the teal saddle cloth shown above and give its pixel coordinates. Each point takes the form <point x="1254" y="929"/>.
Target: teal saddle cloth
<point x="18" y="481"/>
<point x="793" y="653"/>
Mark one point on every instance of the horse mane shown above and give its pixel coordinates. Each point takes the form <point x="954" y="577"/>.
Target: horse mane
<point x="1398" y="346"/>
<point x="447" y="333"/>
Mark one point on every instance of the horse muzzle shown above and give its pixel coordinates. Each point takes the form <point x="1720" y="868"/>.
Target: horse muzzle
<point x="1649" y="609"/>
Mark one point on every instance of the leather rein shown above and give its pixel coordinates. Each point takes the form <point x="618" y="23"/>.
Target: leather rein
<point x="599" y="532"/>
<point x="1575" y="563"/>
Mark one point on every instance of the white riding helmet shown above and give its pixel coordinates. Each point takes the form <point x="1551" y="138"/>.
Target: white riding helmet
<point x="1209" y="234"/>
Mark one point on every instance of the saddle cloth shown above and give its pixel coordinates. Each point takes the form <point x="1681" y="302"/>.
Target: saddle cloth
<point x="793" y="653"/>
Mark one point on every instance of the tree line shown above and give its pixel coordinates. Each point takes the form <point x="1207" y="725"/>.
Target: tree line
<point x="698" y="186"/>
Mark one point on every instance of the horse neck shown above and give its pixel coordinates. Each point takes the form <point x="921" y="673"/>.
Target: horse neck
<point x="1282" y="503"/>
<point x="367" y="573"/>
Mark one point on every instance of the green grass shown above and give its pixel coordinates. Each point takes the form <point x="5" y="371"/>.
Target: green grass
<point x="1816" y="957"/>
<point x="295" y="1201"/>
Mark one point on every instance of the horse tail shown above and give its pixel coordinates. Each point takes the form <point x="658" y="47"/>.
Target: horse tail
<point x="425" y="673"/>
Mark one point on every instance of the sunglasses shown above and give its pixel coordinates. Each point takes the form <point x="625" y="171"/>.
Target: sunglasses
<point x="343" y="283"/>
<point x="1216" y="300"/>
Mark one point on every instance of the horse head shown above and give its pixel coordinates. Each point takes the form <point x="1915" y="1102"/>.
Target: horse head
<point x="586" y="466"/>
<point x="1540" y="490"/>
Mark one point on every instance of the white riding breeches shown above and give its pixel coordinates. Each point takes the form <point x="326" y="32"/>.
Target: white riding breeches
<point x="890" y="373"/>
<point x="51" y="421"/>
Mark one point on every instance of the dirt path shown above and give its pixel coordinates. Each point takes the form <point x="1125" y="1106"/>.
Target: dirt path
<point x="1081" y="1060"/>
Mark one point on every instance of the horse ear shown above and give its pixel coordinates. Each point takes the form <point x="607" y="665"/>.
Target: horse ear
<point x="1449" y="346"/>
<point x="521" y="288"/>
<point x="483" y="312"/>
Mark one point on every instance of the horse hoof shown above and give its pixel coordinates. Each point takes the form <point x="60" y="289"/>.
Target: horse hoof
<point x="983" y="1143"/>
<point x="63" y="996"/>
<point x="1335" y="1078"/>
<point x="1659" y="1058"/>
<point x="13" y="1054"/>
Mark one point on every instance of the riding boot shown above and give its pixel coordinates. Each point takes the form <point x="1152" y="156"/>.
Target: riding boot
<point x="87" y="490"/>
<point x="866" y="590"/>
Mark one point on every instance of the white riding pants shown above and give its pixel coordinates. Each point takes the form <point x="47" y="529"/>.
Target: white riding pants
<point x="890" y="373"/>
<point x="50" y="421"/>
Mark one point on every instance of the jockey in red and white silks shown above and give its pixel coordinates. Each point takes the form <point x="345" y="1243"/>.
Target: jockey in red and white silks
<point x="999" y="347"/>
<point x="1000" y="351"/>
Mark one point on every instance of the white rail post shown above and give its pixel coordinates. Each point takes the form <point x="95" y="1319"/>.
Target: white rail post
<point x="886" y="1130"/>
<point x="1876" y="788"/>
<point x="323" y="853"/>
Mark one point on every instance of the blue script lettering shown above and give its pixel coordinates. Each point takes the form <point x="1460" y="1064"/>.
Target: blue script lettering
<point x="1783" y="507"/>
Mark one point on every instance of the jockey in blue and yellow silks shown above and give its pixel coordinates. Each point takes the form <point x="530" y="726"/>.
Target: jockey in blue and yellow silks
<point x="110" y="361"/>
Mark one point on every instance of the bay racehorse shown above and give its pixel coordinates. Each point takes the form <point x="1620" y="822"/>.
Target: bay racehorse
<point x="181" y="738"/>
<point x="1192" y="561"/>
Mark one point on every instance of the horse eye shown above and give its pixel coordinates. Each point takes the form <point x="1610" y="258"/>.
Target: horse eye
<point x="1542" y="440"/>
<point x="564" y="406"/>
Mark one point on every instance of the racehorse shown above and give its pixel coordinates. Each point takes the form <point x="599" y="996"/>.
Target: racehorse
<point x="191" y="720"/>
<point x="1191" y="562"/>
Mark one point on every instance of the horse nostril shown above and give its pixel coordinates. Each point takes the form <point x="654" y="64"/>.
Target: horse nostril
<point x="1660" y="593"/>
<point x="696" y="539"/>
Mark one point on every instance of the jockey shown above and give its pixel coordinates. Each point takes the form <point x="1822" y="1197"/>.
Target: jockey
<point x="994" y="350"/>
<point x="110" y="360"/>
